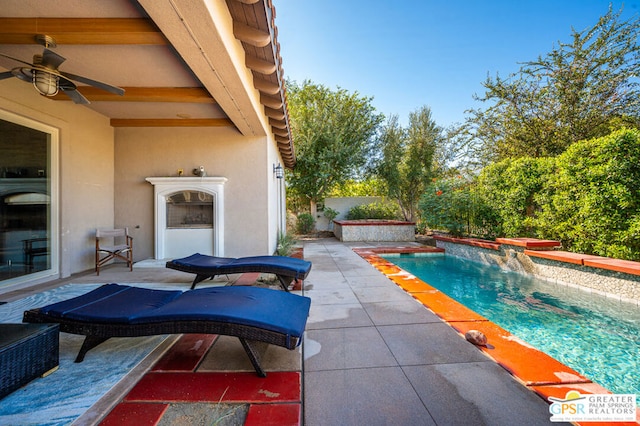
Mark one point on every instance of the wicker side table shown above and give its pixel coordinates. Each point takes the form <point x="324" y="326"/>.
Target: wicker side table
<point x="26" y="352"/>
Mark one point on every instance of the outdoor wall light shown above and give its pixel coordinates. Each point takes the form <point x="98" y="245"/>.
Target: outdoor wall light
<point x="278" y="171"/>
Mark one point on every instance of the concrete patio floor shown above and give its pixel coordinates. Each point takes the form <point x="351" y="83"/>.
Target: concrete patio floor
<point x="372" y="354"/>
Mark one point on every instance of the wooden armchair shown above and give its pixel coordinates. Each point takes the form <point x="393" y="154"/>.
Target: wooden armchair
<point x="113" y="244"/>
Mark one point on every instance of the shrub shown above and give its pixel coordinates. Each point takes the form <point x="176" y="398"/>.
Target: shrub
<point x="305" y="224"/>
<point x="587" y="197"/>
<point x="285" y="244"/>
<point x="330" y="213"/>
<point x="378" y="210"/>
<point x="421" y="227"/>
<point x="508" y="192"/>
<point x="593" y="199"/>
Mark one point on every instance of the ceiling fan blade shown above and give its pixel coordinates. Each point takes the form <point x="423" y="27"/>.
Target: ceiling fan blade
<point x="4" y="75"/>
<point x="16" y="59"/>
<point x="75" y="96"/>
<point x="51" y="59"/>
<point x="23" y="73"/>
<point x="94" y="83"/>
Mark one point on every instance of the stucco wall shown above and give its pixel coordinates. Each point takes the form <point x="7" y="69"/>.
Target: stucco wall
<point x="342" y="205"/>
<point x="85" y="169"/>
<point x="276" y="199"/>
<point x="86" y="183"/>
<point x="144" y="152"/>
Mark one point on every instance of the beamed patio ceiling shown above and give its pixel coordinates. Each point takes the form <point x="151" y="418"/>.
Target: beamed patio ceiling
<point x="168" y="56"/>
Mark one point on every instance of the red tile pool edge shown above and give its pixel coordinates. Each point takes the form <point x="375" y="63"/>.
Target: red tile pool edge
<point x="536" y="370"/>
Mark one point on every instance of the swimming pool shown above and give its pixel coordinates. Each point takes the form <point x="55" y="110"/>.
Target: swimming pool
<point x="594" y="335"/>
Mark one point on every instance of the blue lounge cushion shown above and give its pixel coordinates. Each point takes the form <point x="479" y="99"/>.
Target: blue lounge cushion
<point x="198" y="260"/>
<point x="211" y="265"/>
<point x="274" y="263"/>
<point x="111" y="303"/>
<point x="251" y="306"/>
<point x="263" y="308"/>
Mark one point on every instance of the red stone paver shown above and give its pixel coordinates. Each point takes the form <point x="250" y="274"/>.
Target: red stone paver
<point x="273" y="415"/>
<point x="217" y="386"/>
<point x="617" y="265"/>
<point x="477" y="242"/>
<point x="186" y="354"/>
<point x="248" y="278"/>
<point x="529" y="242"/>
<point x="560" y="256"/>
<point x="135" y="414"/>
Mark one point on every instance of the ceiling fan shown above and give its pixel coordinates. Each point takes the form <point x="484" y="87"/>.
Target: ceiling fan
<point x="43" y="73"/>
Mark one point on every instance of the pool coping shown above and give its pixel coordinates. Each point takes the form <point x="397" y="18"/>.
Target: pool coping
<point x="549" y="249"/>
<point x="534" y="369"/>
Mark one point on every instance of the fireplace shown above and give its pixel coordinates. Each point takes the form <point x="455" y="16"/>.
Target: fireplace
<point x="190" y="210"/>
<point x="189" y="216"/>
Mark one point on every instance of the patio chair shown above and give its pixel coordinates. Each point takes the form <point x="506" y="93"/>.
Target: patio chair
<point x="285" y="268"/>
<point x="252" y="314"/>
<point x="113" y="244"/>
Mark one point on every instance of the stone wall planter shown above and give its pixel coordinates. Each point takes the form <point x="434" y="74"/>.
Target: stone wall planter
<point x="374" y="230"/>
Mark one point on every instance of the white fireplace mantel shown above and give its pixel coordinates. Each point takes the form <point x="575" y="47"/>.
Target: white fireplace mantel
<point x="182" y="245"/>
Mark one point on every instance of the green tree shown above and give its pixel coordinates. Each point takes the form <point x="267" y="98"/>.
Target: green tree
<point x="446" y="205"/>
<point x="333" y="133"/>
<point x="407" y="158"/>
<point x="580" y="90"/>
<point x="370" y="187"/>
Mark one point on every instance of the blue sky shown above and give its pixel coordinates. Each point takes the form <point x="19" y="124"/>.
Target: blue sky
<point x="410" y="53"/>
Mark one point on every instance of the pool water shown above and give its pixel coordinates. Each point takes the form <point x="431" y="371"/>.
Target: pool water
<point x="596" y="336"/>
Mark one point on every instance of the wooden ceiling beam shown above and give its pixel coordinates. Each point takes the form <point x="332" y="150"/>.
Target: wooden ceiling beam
<point x="170" y="122"/>
<point x="145" y="94"/>
<point x="101" y="31"/>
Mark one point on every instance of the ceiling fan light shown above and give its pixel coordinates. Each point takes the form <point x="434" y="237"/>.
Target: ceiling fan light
<point x="45" y="83"/>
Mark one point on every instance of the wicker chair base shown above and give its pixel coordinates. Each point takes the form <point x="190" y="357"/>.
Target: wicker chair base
<point x="96" y="333"/>
<point x="26" y="351"/>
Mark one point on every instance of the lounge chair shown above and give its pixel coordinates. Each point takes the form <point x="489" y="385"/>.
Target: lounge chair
<point x="204" y="266"/>
<point x="252" y="314"/>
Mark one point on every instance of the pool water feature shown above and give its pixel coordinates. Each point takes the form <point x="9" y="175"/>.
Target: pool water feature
<point x="596" y="336"/>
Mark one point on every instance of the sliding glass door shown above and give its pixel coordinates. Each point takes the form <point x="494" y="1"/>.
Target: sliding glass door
<point x="28" y="199"/>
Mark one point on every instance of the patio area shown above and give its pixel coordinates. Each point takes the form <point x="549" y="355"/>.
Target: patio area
<point x="372" y="355"/>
